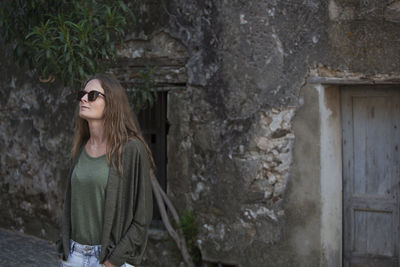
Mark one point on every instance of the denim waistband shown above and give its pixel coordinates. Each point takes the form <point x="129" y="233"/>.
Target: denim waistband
<point x="85" y="249"/>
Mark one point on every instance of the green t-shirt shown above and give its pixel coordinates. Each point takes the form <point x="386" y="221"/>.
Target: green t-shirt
<point x="88" y="187"/>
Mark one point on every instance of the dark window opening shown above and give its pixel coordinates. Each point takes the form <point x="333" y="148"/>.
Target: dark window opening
<point x="154" y="126"/>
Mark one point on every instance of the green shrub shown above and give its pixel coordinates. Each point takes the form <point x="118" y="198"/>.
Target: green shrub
<point x="190" y="231"/>
<point x="64" y="39"/>
<point x="145" y="94"/>
<point x="70" y="40"/>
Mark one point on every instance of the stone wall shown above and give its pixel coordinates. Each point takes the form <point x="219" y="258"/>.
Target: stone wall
<point x="35" y="135"/>
<point x="231" y="144"/>
<point x="243" y="136"/>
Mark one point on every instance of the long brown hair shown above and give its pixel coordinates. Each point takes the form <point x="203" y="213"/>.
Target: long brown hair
<point x="119" y="123"/>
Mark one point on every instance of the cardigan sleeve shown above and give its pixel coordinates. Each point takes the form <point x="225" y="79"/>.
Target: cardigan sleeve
<point x="135" y="239"/>
<point x="62" y="244"/>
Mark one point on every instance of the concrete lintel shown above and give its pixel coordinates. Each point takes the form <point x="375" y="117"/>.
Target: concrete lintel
<point x="352" y="80"/>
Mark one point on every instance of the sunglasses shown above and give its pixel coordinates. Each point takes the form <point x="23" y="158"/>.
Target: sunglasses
<point x="92" y="95"/>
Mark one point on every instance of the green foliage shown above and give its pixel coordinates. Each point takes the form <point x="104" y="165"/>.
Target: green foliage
<point x="144" y="95"/>
<point x="190" y="231"/>
<point x="66" y="39"/>
<point x="70" y="40"/>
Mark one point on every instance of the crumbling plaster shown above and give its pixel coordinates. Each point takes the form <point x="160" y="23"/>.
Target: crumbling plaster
<point x="245" y="132"/>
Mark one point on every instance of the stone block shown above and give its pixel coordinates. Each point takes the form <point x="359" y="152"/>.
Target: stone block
<point x="392" y="12"/>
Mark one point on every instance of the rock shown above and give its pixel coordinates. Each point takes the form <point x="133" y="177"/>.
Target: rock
<point x="392" y="12"/>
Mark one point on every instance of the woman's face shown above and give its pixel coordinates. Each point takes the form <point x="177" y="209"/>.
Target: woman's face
<point x="92" y="110"/>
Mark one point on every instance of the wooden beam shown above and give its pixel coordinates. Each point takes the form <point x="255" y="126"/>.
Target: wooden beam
<point x="151" y="62"/>
<point x="159" y="88"/>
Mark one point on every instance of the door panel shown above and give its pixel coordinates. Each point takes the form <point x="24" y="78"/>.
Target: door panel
<point x="374" y="171"/>
<point x="374" y="231"/>
<point x="370" y="121"/>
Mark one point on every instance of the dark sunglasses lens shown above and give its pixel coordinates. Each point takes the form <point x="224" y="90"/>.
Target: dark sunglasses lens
<point x="80" y="95"/>
<point x="92" y="95"/>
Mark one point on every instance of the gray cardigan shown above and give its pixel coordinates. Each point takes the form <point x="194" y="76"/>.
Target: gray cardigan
<point x="128" y="209"/>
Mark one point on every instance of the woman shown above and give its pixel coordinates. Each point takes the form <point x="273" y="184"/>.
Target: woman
<point x="108" y="202"/>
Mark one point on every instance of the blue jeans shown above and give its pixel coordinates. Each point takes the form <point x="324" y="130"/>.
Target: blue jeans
<point x="84" y="256"/>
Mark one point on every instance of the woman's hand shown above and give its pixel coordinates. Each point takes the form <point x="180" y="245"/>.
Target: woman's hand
<point x="109" y="264"/>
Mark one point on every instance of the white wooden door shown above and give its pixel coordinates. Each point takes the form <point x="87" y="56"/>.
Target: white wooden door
<point x="371" y="158"/>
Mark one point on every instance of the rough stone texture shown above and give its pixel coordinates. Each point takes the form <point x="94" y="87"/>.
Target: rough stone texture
<point x="161" y="251"/>
<point x="165" y="55"/>
<point x="360" y="41"/>
<point x="392" y="12"/>
<point x="35" y="135"/>
<point x="235" y="150"/>
<point x="235" y="70"/>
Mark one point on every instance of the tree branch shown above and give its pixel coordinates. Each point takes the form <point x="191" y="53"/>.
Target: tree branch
<point x="162" y="200"/>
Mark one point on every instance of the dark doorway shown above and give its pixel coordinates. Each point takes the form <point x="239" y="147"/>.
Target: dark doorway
<point x="154" y="126"/>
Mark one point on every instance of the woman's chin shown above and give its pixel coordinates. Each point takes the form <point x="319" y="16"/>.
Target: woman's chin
<point x="88" y="117"/>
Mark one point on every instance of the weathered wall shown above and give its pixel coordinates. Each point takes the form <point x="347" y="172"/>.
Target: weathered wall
<point x="35" y="134"/>
<point x="253" y="206"/>
<point x="244" y="134"/>
<point x="247" y="64"/>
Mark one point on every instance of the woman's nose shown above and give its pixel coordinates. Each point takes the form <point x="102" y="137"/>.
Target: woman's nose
<point x="84" y="98"/>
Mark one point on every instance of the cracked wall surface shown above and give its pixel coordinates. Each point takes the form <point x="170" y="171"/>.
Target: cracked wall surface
<point x="35" y="133"/>
<point x="243" y="124"/>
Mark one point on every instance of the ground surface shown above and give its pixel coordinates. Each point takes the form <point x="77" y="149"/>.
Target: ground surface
<point x="17" y="249"/>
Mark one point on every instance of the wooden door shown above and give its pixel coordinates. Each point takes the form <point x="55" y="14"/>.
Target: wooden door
<point x="371" y="137"/>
